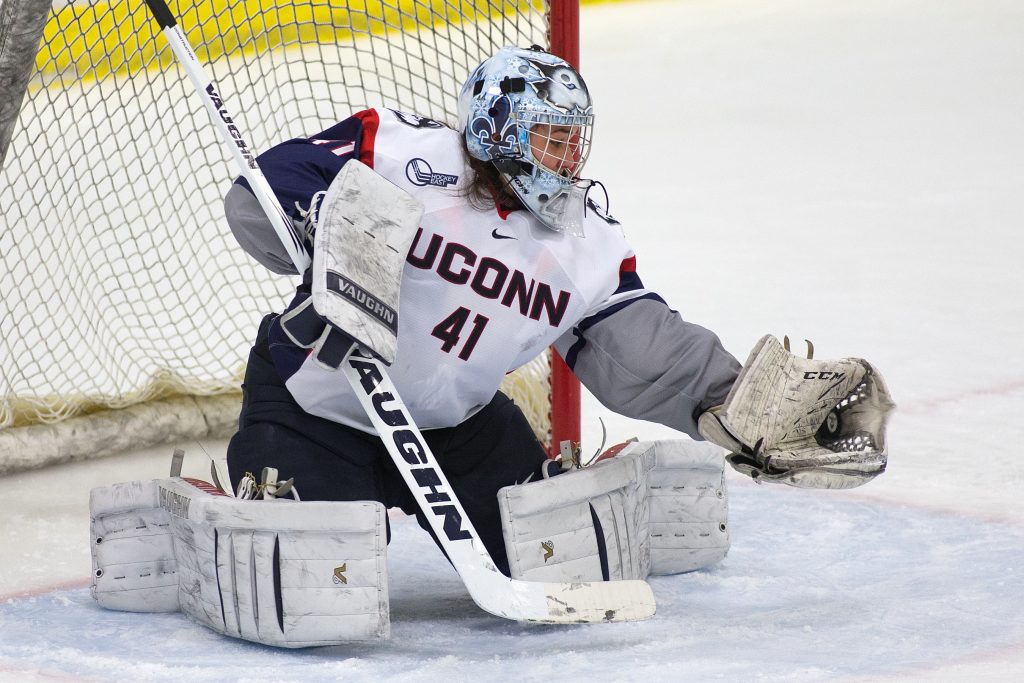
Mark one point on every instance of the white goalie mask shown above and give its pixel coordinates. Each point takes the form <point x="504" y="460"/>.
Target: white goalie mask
<point x="529" y="113"/>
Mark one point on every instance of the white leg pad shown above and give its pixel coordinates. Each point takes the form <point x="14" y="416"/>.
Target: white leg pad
<point x="689" y="506"/>
<point x="274" y="572"/>
<point x="133" y="564"/>
<point x="584" y="525"/>
<point x="655" y="508"/>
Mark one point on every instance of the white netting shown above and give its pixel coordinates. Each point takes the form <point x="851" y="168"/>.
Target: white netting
<point x="121" y="282"/>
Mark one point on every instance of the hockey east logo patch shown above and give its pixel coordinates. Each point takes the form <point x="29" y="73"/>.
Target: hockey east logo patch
<point x="419" y="173"/>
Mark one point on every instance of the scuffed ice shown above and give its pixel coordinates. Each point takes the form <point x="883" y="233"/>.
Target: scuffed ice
<point x="815" y="586"/>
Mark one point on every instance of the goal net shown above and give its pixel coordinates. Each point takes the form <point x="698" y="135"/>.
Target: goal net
<point x="127" y="309"/>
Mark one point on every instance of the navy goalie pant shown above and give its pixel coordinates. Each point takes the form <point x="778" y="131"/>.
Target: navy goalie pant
<point x="494" y="448"/>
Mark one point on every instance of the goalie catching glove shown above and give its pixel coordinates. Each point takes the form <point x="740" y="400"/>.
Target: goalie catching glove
<point x="803" y="422"/>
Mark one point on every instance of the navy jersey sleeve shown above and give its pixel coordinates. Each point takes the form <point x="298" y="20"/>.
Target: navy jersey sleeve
<point x="299" y="171"/>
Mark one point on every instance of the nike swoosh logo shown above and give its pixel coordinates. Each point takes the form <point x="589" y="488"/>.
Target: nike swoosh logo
<point x="498" y="236"/>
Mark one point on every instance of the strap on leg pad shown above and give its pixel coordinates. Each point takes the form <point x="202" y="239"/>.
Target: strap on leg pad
<point x="655" y="508"/>
<point x="274" y="572"/>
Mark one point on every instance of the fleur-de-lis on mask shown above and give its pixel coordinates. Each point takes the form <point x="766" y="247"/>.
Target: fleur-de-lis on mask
<point x="497" y="131"/>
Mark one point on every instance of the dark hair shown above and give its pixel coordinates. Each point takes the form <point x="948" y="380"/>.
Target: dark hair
<point x="487" y="188"/>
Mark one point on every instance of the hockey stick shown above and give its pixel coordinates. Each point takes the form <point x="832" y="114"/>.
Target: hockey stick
<point x="243" y="154"/>
<point x="489" y="588"/>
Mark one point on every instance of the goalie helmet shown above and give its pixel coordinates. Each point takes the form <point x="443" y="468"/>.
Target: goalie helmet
<point x="529" y="113"/>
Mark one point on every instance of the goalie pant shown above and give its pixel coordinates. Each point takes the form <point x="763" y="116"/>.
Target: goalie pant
<point x="315" y="573"/>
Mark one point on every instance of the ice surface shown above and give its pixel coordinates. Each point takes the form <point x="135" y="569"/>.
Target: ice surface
<point x="846" y="171"/>
<point x="816" y="586"/>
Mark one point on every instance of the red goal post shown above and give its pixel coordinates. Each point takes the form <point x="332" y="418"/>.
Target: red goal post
<point x="564" y="32"/>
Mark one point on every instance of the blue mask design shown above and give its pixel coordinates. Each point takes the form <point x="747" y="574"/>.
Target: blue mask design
<point x="496" y="131"/>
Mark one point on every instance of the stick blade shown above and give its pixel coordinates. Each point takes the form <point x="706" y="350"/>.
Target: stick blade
<point x="560" y="603"/>
<point x="594" y="603"/>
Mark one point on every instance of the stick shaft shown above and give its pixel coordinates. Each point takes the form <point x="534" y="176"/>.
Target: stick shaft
<point x="231" y="133"/>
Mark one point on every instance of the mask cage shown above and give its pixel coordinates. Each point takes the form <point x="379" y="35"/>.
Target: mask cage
<point x="557" y="143"/>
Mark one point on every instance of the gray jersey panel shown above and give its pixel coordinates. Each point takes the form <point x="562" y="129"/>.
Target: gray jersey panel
<point x="254" y="232"/>
<point x="644" y="361"/>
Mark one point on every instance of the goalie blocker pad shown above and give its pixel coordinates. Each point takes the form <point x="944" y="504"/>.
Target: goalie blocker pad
<point x="273" y="572"/>
<point x="655" y="508"/>
<point x="364" y="229"/>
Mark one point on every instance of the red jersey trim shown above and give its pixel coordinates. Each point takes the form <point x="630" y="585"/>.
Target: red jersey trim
<point x="204" y="486"/>
<point x="628" y="265"/>
<point x="504" y="211"/>
<point x="371" y="122"/>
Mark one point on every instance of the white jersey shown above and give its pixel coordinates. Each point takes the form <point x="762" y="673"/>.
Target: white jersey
<point x="484" y="292"/>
